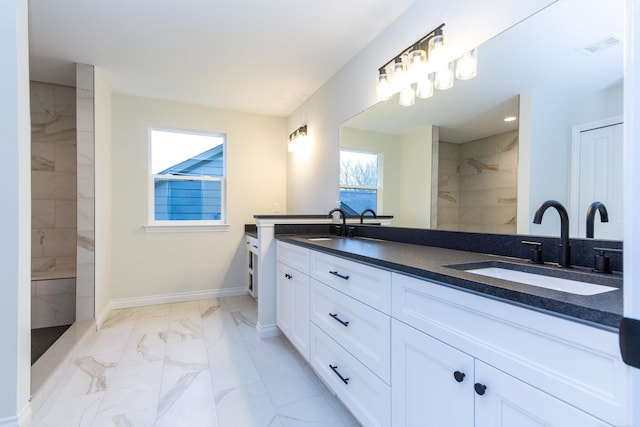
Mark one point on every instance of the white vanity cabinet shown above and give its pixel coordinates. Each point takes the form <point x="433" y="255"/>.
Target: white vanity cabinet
<point x="351" y="334"/>
<point x="405" y="351"/>
<point x="438" y="385"/>
<point x="292" y="295"/>
<point x="520" y="367"/>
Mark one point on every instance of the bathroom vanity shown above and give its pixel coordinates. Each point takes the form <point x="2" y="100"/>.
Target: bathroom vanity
<point x="403" y="336"/>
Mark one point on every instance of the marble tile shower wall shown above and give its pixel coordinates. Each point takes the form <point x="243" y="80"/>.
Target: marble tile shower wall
<point x="477" y="184"/>
<point x="53" y="180"/>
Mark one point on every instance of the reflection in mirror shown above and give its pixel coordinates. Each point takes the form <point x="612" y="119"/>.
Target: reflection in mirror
<point x="452" y="162"/>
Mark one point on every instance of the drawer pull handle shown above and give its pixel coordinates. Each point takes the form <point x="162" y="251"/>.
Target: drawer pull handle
<point x="335" y="316"/>
<point x="459" y="376"/>
<point x="335" y="370"/>
<point x="335" y="273"/>
<point x="480" y="388"/>
<point x="288" y="276"/>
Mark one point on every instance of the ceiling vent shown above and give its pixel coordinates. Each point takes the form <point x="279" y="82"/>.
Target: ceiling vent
<point x="601" y="45"/>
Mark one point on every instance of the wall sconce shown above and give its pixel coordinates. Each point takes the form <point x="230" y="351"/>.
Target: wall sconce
<point x="297" y="138"/>
<point x="423" y="65"/>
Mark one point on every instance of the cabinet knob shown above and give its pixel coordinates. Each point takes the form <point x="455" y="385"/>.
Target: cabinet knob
<point x="480" y="388"/>
<point x="459" y="376"/>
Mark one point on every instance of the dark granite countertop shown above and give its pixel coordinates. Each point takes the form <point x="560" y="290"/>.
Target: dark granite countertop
<point x="315" y="216"/>
<point x="427" y="262"/>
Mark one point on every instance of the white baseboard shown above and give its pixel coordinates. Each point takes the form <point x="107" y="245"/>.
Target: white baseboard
<point x="102" y="316"/>
<point x="9" y="422"/>
<point x="177" y="297"/>
<point x="267" y="331"/>
<point x="23" y="419"/>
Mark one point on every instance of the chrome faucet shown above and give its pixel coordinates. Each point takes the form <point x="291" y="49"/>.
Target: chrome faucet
<point x="564" y="258"/>
<point x="343" y="229"/>
<point x="591" y="214"/>
<point x="367" y="211"/>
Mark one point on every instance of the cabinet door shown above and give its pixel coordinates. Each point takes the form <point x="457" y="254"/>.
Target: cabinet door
<point x="509" y="402"/>
<point x="432" y="383"/>
<point x="300" y="327"/>
<point x="284" y="299"/>
<point x="292" y="307"/>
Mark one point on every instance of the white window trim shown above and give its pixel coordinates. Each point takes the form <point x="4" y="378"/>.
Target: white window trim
<point x="187" y="227"/>
<point x="178" y="226"/>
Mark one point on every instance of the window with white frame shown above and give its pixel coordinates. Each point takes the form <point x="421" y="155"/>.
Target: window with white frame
<point x="187" y="178"/>
<point x="360" y="181"/>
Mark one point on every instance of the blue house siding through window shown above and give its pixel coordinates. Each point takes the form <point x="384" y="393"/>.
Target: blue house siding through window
<point x="180" y="199"/>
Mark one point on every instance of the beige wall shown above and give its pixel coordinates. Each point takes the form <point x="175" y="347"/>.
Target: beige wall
<point x="103" y="200"/>
<point x="148" y="264"/>
<point x="415" y="189"/>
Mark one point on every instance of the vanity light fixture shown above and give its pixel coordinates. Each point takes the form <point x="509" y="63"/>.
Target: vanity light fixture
<point x="297" y="138"/>
<point x="415" y="71"/>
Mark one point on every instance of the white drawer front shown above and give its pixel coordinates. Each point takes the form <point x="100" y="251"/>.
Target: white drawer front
<point x="294" y="256"/>
<point x="366" y="396"/>
<point x="576" y="363"/>
<point x="369" y="285"/>
<point x="361" y="330"/>
<point x="252" y="244"/>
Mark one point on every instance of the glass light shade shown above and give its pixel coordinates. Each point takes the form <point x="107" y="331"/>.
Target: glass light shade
<point x="399" y="79"/>
<point x="424" y="88"/>
<point x="298" y="143"/>
<point x="383" y="89"/>
<point x="436" y="49"/>
<point x="407" y="96"/>
<point x="467" y="65"/>
<point x="417" y="64"/>
<point x="444" y="77"/>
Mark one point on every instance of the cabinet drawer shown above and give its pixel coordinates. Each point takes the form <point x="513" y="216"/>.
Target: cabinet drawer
<point x="361" y="330"/>
<point x="294" y="256"/>
<point x="252" y="244"/>
<point x="576" y="363"/>
<point x="369" y="285"/>
<point x="366" y="396"/>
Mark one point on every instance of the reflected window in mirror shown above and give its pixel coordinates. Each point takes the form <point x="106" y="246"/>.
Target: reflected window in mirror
<point x="360" y="183"/>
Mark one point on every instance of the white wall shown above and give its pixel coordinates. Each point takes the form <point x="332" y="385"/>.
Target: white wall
<point x="632" y="181"/>
<point x="103" y="195"/>
<point x="313" y="179"/>
<point x="545" y="131"/>
<point x="167" y="263"/>
<point x="549" y="160"/>
<point x="15" y="218"/>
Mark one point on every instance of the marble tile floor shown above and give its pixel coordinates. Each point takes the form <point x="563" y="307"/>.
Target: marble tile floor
<point x="195" y="363"/>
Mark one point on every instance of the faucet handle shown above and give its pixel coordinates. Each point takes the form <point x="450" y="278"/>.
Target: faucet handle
<point x="536" y="251"/>
<point x="602" y="263"/>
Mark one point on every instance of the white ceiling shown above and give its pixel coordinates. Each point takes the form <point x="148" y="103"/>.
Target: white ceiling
<point x="256" y="56"/>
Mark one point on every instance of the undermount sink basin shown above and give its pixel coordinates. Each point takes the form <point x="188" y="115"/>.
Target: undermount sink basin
<point x="573" y="283"/>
